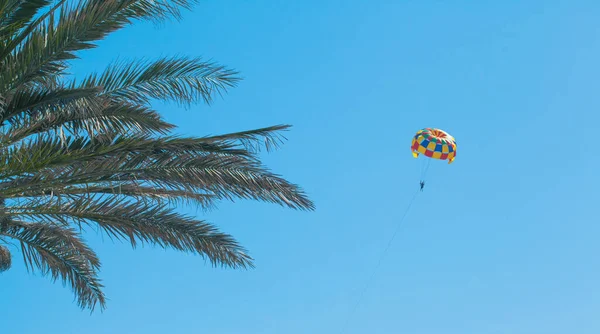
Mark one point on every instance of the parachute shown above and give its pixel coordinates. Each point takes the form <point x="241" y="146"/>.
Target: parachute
<point x="435" y="144"/>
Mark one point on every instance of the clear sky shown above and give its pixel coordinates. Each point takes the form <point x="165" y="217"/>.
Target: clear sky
<point x="505" y="240"/>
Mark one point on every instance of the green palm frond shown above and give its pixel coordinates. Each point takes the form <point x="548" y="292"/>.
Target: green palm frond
<point x="37" y="100"/>
<point x="48" y="153"/>
<point x="158" y="10"/>
<point x="184" y="80"/>
<point x="76" y="27"/>
<point x="138" y="192"/>
<point x="18" y="21"/>
<point x="15" y="14"/>
<point x="132" y="189"/>
<point x="7" y="10"/>
<point x="253" y="140"/>
<point x="141" y="222"/>
<point x="58" y="251"/>
<point x="22" y="12"/>
<point x="79" y="117"/>
<point x="171" y="163"/>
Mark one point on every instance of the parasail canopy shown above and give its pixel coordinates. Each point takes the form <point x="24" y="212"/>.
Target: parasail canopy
<point x="435" y="144"/>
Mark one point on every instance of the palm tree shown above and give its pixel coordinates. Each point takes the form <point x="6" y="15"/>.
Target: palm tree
<point x="92" y="153"/>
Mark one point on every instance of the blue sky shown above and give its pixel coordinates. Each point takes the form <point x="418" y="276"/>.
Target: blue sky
<point x="502" y="241"/>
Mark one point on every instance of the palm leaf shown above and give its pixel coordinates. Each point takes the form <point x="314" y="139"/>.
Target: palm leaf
<point x="79" y="117"/>
<point x="184" y="80"/>
<point x="24" y="12"/>
<point x="16" y="17"/>
<point x="132" y="189"/>
<point x="253" y="140"/>
<point x="172" y="163"/>
<point x="142" y="222"/>
<point x="36" y="100"/>
<point x="59" y="252"/>
<point x="45" y="48"/>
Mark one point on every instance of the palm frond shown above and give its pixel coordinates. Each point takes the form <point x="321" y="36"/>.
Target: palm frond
<point x="58" y="251"/>
<point x="253" y="140"/>
<point x="14" y="14"/>
<point x="171" y="163"/>
<point x="157" y="11"/>
<point x="78" y="117"/>
<point x="143" y="222"/>
<point x="7" y="10"/>
<point x="37" y="100"/>
<point x="25" y="12"/>
<point x="57" y="39"/>
<point x="51" y="152"/>
<point x="22" y="17"/>
<point x="184" y="80"/>
<point x="124" y="188"/>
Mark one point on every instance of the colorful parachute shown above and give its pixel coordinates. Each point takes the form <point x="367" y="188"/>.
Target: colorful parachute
<point x="434" y="143"/>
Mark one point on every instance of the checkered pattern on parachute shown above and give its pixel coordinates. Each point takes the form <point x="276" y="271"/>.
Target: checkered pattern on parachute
<point x="434" y="143"/>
